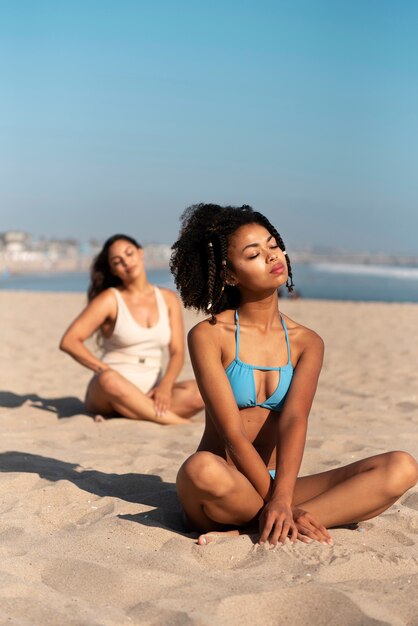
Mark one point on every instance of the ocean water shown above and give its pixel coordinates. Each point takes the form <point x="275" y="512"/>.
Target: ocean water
<point x="320" y="281"/>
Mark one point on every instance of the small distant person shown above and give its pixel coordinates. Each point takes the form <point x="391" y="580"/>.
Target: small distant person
<point x="257" y="370"/>
<point x="135" y="321"/>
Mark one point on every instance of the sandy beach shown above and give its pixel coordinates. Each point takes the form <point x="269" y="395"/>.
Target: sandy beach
<point x="90" y="527"/>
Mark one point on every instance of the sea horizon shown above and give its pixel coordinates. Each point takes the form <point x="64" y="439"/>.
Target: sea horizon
<point x="323" y="281"/>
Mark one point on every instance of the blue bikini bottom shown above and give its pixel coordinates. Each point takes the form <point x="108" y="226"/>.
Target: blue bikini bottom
<point x="272" y="474"/>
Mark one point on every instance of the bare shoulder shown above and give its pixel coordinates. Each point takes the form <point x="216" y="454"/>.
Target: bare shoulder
<point x="206" y="333"/>
<point x="202" y="332"/>
<point x="171" y="298"/>
<point x="303" y="338"/>
<point x="105" y="303"/>
<point x="105" y="299"/>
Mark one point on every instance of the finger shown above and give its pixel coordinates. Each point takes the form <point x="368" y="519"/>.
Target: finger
<point x="319" y="527"/>
<point x="157" y="406"/>
<point x="304" y="538"/>
<point x="314" y="534"/>
<point x="265" y="530"/>
<point x="293" y="533"/>
<point x="285" y="532"/>
<point x="320" y="533"/>
<point x="325" y="533"/>
<point x="276" y="532"/>
<point x="307" y="532"/>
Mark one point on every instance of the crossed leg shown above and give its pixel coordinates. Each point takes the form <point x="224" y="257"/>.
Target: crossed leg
<point x="109" y="392"/>
<point x="216" y="496"/>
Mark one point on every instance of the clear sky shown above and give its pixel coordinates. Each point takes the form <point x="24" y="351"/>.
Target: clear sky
<point x="116" y="115"/>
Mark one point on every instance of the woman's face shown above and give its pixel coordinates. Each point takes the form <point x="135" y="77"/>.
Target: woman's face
<point x="125" y="260"/>
<point x="256" y="261"/>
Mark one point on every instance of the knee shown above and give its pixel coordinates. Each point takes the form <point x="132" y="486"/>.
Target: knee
<point x="402" y="472"/>
<point x="197" y="400"/>
<point x="109" y="382"/>
<point x="208" y="473"/>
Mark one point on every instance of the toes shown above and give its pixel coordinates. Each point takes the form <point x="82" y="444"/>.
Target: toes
<point x="207" y="538"/>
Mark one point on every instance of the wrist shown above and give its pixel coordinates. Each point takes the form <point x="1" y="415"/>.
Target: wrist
<point x="283" y="498"/>
<point x="166" y="384"/>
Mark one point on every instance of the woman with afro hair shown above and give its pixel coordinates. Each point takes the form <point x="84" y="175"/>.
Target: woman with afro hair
<point x="257" y="372"/>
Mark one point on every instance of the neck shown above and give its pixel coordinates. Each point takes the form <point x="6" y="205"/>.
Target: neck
<point x="259" y="311"/>
<point x="140" y="284"/>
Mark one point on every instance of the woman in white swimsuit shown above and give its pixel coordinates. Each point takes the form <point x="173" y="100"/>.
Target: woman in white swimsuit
<point x="136" y="321"/>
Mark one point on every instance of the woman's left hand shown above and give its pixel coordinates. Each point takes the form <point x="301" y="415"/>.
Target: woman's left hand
<point x="162" y="398"/>
<point x="276" y="523"/>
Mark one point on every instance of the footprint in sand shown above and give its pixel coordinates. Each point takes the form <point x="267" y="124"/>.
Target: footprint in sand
<point x="147" y="612"/>
<point x="96" y="514"/>
<point x="411" y="501"/>
<point x="407" y="407"/>
<point x="401" y="538"/>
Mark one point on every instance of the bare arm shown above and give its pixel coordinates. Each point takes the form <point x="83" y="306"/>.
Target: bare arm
<point x="161" y="394"/>
<point x="277" y="520"/>
<point x="100" y="309"/>
<point x="176" y="347"/>
<point x="292" y="424"/>
<point x="205" y="353"/>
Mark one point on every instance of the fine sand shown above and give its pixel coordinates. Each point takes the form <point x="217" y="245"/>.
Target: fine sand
<point x="90" y="527"/>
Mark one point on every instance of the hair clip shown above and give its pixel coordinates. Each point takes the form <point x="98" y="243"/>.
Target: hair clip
<point x="284" y="252"/>
<point x="209" y="306"/>
<point x="223" y="262"/>
<point x="210" y="244"/>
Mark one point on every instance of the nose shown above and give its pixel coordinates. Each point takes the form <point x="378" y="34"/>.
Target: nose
<point x="272" y="256"/>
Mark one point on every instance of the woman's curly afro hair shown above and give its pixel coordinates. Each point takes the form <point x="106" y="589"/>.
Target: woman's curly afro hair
<point x="199" y="259"/>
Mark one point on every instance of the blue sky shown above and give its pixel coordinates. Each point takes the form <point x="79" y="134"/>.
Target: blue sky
<point x="115" y="116"/>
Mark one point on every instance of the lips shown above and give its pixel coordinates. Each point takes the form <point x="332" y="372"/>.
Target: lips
<point x="277" y="269"/>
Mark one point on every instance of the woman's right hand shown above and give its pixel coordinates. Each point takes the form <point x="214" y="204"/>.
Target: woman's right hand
<point x="276" y="523"/>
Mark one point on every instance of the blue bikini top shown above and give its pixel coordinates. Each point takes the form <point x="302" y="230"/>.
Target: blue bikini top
<point x="241" y="377"/>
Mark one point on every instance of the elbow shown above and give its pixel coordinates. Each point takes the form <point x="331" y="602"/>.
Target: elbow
<point x="64" y="344"/>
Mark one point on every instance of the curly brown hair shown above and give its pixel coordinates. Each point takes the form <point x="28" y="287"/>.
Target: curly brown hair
<point x="199" y="260"/>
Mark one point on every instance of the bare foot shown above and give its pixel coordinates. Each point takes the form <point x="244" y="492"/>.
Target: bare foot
<point x="206" y="538"/>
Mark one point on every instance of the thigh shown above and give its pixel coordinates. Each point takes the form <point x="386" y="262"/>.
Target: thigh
<point x="308" y="487"/>
<point x="186" y="398"/>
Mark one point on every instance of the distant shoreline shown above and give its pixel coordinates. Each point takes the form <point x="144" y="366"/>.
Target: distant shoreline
<point x="20" y="267"/>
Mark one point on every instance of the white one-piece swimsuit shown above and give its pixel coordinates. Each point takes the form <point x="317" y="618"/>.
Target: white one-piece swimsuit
<point x="134" y="350"/>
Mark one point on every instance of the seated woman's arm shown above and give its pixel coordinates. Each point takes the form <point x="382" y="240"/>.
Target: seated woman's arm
<point x="100" y="309"/>
<point x="292" y="424"/>
<point x="291" y="437"/>
<point x="176" y="346"/>
<point x="205" y="353"/>
<point x="161" y="394"/>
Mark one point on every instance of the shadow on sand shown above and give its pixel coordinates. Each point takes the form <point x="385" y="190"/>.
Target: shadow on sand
<point x="67" y="406"/>
<point x="147" y="489"/>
